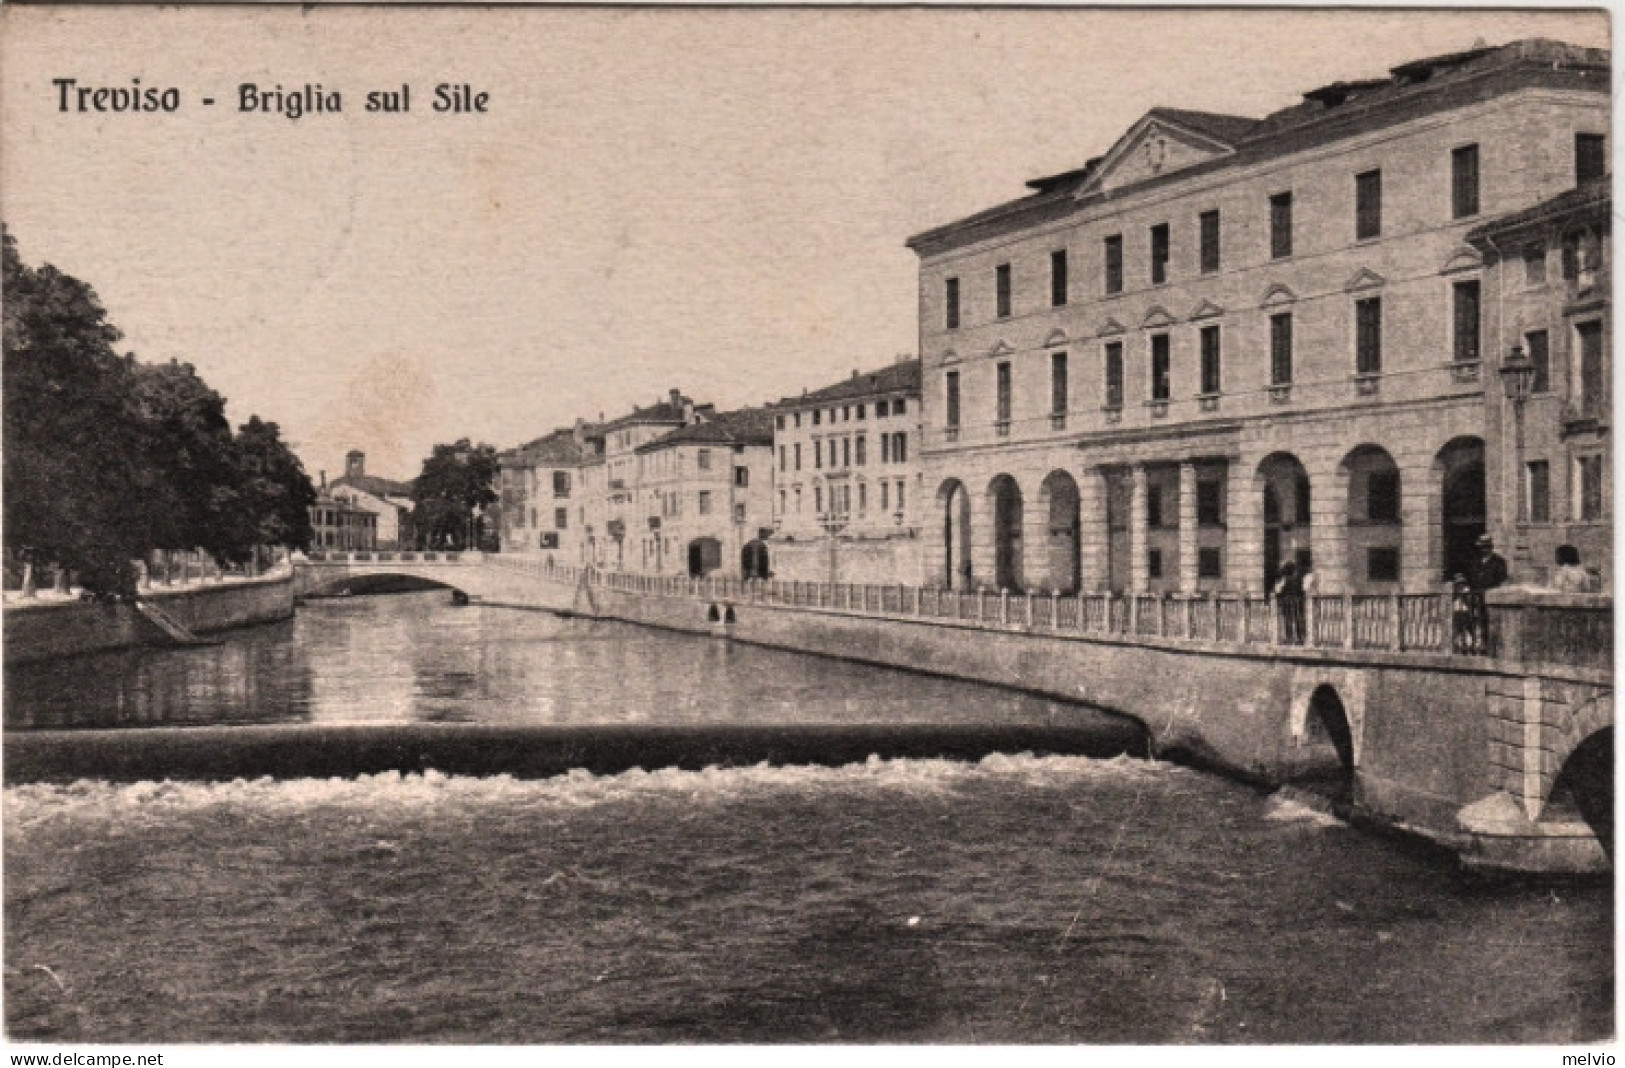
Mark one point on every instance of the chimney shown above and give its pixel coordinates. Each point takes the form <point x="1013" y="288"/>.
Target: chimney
<point x="355" y="463"/>
<point x="676" y="398"/>
<point x="323" y="473"/>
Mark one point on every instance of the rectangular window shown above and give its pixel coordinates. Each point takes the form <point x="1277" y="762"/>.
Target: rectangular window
<point x="1209" y="221"/>
<point x="1280" y="226"/>
<point x="818" y="498"/>
<point x="1367" y="205"/>
<point x="798" y="455"/>
<point x="1212" y="371"/>
<point x="952" y="381"/>
<point x="950" y="299"/>
<point x="1002" y="413"/>
<point x="818" y="416"/>
<point x="1209" y="563"/>
<point x="797" y="419"/>
<point x="705" y="502"/>
<point x="1057" y="383"/>
<point x="881" y="409"/>
<point x="1534" y="265"/>
<point x="899" y="495"/>
<point x="818" y="455"/>
<point x="739" y="513"/>
<point x="1114" y="264"/>
<point x="1153" y="563"/>
<point x="846" y="452"/>
<point x="1153" y="507"/>
<point x="561" y="483"/>
<point x="899" y="448"/>
<point x="1159" y="254"/>
<point x="561" y="518"/>
<point x="1540" y="356"/>
<point x="1538" y="491"/>
<point x="885" y="496"/>
<point x="1465" y="298"/>
<point x="863" y="497"/>
<point x="846" y="414"/>
<point x="1590" y="157"/>
<point x="1281" y="349"/>
<point x="1464" y="182"/>
<point x="783" y="502"/>
<point x="784" y="458"/>
<point x="861" y="409"/>
<point x="1382" y="496"/>
<point x="1057" y="278"/>
<point x="1209" y="503"/>
<point x="863" y="450"/>
<point x="1114" y="374"/>
<point x="1368" y="336"/>
<point x="1382" y="563"/>
<point x="780" y="422"/>
<point x="742" y="476"/>
<point x="1161" y="367"/>
<point x="1588" y="472"/>
<point x="1592" y="384"/>
<point x="705" y="459"/>
<point x="898" y="407"/>
<point x="1001" y="289"/>
<point x="885" y="448"/>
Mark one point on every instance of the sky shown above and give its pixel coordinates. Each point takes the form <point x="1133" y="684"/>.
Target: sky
<point x="710" y="199"/>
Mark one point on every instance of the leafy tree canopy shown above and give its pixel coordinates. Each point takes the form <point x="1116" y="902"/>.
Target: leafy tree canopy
<point x="456" y="484"/>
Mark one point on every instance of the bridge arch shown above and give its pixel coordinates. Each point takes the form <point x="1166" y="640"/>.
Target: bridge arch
<point x="1584" y="785"/>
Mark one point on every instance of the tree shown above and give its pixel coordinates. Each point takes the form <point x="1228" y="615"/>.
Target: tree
<point x="277" y="492"/>
<point x="75" y="470"/>
<point x="199" y="504"/>
<point x="455" y="485"/>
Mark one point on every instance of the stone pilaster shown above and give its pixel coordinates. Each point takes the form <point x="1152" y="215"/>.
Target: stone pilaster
<point x="1094" y="531"/>
<point x="1244" y="531"/>
<point x="1187" y="527"/>
<point x="1139" y="572"/>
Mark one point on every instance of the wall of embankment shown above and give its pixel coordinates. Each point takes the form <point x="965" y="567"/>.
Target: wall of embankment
<point x="46" y="629"/>
<point x="1417" y="724"/>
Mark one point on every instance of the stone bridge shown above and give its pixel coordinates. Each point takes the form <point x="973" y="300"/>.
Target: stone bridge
<point x="1505" y="758"/>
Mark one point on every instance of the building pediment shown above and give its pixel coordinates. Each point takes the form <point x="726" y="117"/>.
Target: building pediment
<point x="1110" y="328"/>
<point x="1364" y="278"/>
<point x="1000" y="347"/>
<point x="1277" y="295"/>
<point x="1157" y="318"/>
<point x="1056" y="337"/>
<point x="949" y="357"/>
<point x="1152" y="147"/>
<point x="1206" y="310"/>
<point x="1465" y="258"/>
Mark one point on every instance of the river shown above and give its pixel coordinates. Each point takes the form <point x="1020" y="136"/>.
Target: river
<point x="1011" y="898"/>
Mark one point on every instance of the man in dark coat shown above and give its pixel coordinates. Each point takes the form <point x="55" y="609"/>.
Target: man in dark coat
<point x="1486" y="573"/>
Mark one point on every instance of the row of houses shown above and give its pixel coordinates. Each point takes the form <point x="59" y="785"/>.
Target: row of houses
<point x="1358" y="334"/>
<point x="359" y="511"/>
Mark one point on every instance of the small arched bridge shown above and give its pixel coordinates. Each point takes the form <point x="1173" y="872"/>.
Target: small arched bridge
<point x="1501" y="757"/>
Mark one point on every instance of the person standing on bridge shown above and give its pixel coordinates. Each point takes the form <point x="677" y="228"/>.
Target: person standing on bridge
<point x="1486" y="573"/>
<point x="1289" y="604"/>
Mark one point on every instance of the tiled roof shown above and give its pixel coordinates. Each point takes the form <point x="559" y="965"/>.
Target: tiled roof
<point x="663" y="412"/>
<point x="1331" y="113"/>
<point x="900" y="377"/>
<point x="747" y="426"/>
<point x="558" y="449"/>
<point x="378" y="487"/>
<point x="1594" y="195"/>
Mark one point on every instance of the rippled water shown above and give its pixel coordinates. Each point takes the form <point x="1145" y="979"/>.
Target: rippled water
<point x="1014" y="899"/>
<point x="413" y="658"/>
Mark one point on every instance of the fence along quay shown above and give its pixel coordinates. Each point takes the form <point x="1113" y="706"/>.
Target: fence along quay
<point x="1491" y="751"/>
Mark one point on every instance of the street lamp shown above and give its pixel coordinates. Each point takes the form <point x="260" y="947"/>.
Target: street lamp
<point x="1517" y="376"/>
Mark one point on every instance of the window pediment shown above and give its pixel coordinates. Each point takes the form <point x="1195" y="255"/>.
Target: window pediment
<point x="1110" y="328"/>
<point x="1056" y="337"/>
<point x="1000" y="347"/>
<point x="1206" y="310"/>
<point x="1364" y="278"/>
<point x="1157" y="317"/>
<point x="1464" y="259"/>
<point x="1277" y="295"/>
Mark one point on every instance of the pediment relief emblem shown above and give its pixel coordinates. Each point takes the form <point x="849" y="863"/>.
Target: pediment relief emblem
<point x="1056" y="337"/>
<point x="1464" y="259"/>
<point x="1110" y="328"/>
<point x="1364" y="278"/>
<point x="1206" y="310"/>
<point x="1277" y="295"/>
<point x="1157" y="317"/>
<point x="1154" y="146"/>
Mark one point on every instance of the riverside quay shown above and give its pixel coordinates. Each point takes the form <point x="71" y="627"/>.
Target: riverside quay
<point x="1288" y="436"/>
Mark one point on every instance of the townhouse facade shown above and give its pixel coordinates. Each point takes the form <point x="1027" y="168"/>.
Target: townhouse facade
<point x="846" y="476"/>
<point x="542" y="493"/>
<point x="704" y="492"/>
<point x="388" y="500"/>
<point x="1548" y="269"/>
<point x="337" y="525"/>
<point x="1228" y="342"/>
